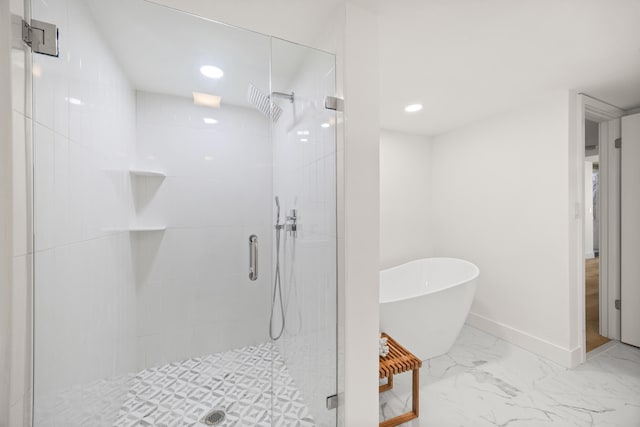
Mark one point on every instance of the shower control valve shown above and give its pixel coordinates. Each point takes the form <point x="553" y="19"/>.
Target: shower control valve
<point x="291" y="222"/>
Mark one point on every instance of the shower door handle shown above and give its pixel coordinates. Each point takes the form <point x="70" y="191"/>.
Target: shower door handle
<point x="253" y="257"/>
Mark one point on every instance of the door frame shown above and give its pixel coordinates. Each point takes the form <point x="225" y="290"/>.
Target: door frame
<point x="590" y="108"/>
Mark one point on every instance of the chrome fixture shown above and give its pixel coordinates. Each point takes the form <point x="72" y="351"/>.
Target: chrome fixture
<point x="291" y="223"/>
<point x="277" y="285"/>
<point x="332" y="401"/>
<point x="253" y="257"/>
<point x="263" y="103"/>
<point x="334" y="103"/>
<point x="41" y="37"/>
<point x="289" y="96"/>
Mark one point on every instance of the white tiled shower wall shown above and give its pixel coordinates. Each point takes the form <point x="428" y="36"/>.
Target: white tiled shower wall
<point x="305" y="179"/>
<point x="84" y="134"/>
<point x="194" y="294"/>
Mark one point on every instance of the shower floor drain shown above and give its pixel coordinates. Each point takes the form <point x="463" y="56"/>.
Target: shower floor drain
<point x="214" y="417"/>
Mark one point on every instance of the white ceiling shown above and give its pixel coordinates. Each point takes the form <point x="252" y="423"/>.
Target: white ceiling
<point x="309" y="22"/>
<point x="462" y="59"/>
<point x="468" y="59"/>
<point x="161" y="50"/>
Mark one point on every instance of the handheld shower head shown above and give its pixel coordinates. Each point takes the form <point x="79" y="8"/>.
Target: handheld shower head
<point x="278" y="207"/>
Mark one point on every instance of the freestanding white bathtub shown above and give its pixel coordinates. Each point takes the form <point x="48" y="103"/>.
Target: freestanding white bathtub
<point x="424" y="303"/>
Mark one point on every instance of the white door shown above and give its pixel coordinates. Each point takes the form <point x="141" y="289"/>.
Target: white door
<point x="630" y="231"/>
<point x="609" y="228"/>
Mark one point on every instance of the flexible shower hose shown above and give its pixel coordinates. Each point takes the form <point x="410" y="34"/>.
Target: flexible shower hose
<point x="277" y="290"/>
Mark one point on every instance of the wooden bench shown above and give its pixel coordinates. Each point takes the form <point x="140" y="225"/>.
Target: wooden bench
<point x="400" y="360"/>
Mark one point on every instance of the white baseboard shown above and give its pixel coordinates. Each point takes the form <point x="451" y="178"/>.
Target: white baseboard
<point x="589" y="255"/>
<point x="562" y="356"/>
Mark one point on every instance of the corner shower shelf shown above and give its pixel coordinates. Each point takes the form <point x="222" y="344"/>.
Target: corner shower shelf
<point x="143" y="229"/>
<point x="135" y="229"/>
<point x="147" y="172"/>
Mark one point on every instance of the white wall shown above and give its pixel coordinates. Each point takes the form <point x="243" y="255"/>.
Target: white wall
<point x="84" y="296"/>
<point x="361" y="214"/>
<point x="499" y="204"/>
<point x="405" y="198"/>
<point x="194" y="296"/>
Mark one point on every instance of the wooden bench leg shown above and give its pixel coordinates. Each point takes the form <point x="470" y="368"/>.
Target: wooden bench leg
<point x="415" y="391"/>
<point x="387" y="386"/>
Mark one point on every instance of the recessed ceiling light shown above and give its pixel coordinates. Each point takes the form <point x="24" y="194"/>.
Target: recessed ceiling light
<point x="325" y="125"/>
<point x="209" y="120"/>
<point x="303" y="132"/>
<point x="303" y="139"/>
<point x="413" y="108"/>
<point x="208" y="158"/>
<point x="211" y="71"/>
<point x="206" y="99"/>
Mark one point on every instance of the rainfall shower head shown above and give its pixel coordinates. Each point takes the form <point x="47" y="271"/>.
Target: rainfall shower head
<point x="263" y="103"/>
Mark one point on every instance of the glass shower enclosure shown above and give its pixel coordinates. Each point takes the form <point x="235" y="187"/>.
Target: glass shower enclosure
<point x="184" y="223"/>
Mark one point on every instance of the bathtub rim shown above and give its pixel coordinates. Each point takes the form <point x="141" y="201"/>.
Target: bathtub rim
<point x="470" y="279"/>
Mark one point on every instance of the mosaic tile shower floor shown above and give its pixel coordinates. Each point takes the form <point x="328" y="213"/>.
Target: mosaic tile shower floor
<point x="179" y="395"/>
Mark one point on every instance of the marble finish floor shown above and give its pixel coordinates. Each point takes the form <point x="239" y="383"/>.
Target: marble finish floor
<point x="485" y="381"/>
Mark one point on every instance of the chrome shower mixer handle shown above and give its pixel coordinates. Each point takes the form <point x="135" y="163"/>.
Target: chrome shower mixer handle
<point x="291" y="222"/>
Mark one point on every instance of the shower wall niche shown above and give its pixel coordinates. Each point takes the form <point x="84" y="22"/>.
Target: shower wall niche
<point x="144" y="201"/>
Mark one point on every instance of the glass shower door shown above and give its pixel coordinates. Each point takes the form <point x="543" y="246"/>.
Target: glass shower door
<point x="304" y="140"/>
<point x="152" y="171"/>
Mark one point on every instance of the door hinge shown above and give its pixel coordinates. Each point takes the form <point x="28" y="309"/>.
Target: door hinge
<point x="332" y="401"/>
<point x="617" y="304"/>
<point x="41" y="36"/>
<point x="334" y="103"/>
<point x="618" y="143"/>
